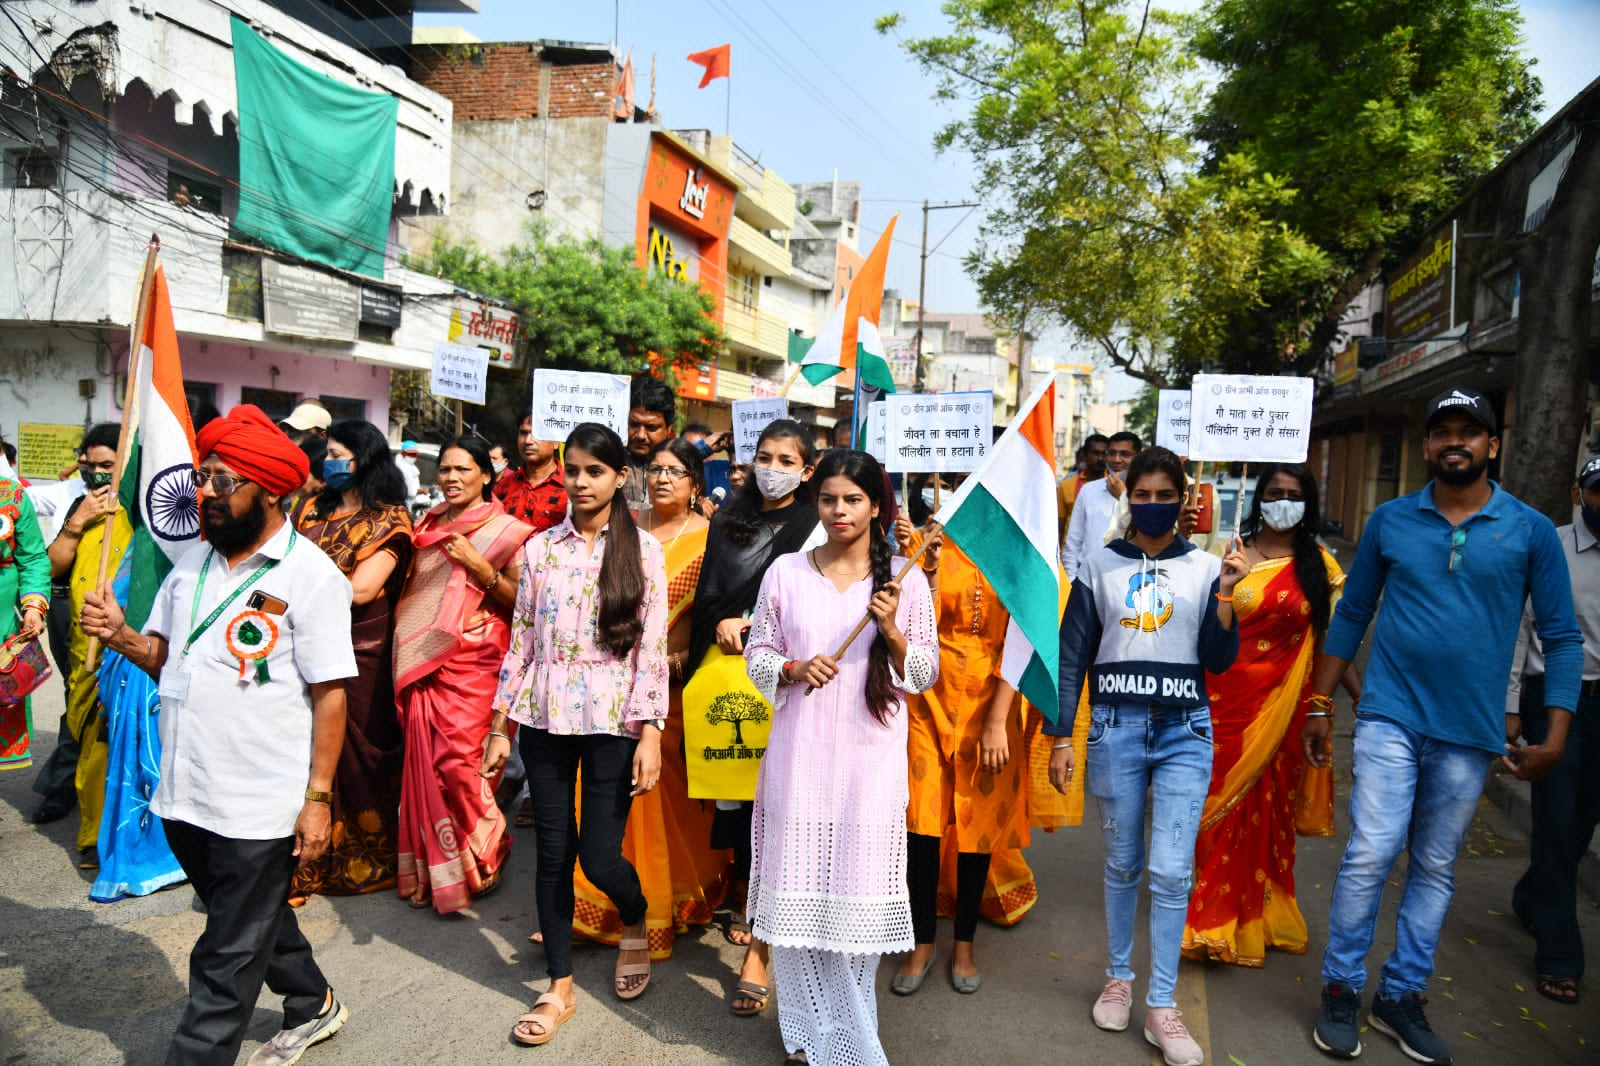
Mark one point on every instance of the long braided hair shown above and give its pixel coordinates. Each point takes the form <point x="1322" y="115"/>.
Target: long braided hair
<point x="621" y="584"/>
<point x="863" y="470"/>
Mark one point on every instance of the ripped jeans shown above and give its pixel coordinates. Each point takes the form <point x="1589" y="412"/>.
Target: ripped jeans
<point x="1164" y="752"/>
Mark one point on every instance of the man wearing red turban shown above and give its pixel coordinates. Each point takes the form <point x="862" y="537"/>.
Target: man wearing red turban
<point x="256" y="449"/>
<point x="249" y="639"/>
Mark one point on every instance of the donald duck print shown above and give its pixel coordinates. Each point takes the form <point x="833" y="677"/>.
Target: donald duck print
<point x="1150" y="599"/>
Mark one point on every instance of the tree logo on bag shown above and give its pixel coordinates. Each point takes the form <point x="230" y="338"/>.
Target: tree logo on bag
<point x="738" y="708"/>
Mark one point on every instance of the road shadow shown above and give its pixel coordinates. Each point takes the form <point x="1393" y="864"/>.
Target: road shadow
<point x="86" y="977"/>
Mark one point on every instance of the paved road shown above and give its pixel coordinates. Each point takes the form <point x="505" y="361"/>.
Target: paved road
<point x="85" y="983"/>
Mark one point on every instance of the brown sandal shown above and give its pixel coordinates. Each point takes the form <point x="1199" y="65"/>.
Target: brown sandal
<point x="551" y="1022"/>
<point x="626" y="970"/>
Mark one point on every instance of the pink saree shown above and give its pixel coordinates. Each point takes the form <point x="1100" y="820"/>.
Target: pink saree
<point x="448" y="646"/>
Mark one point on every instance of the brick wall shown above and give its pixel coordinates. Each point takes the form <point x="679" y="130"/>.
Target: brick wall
<point x="498" y="81"/>
<point x="491" y="82"/>
<point x="582" y="90"/>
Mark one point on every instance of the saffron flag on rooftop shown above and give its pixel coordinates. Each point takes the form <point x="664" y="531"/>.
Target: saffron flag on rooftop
<point x="850" y="336"/>
<point x="157" y="486"/>
<point x="718" y="62"/>
<point x="1004" y="518"/>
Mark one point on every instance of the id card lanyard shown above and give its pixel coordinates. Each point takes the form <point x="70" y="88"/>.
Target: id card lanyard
<point x="252" y="634"/>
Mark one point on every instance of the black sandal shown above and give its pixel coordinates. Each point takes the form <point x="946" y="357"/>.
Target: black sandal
<point x="1560" y="989"/>
<point x="737" y="923"/>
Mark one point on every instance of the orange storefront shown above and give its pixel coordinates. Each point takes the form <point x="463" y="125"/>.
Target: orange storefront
<point x="685" y="213"/>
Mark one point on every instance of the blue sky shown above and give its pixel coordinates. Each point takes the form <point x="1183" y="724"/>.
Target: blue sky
<point x="815" y="90"/>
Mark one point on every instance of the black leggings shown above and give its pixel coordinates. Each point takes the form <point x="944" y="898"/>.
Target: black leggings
<point x="552" y="762"/>
<point x="922" y="874"/>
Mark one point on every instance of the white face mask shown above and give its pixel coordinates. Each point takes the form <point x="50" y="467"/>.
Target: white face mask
<point x="775" y="484"/>
<point x="499" y="468"/>
<point x="1282" y="515"/>
<point x="927" y="499"/>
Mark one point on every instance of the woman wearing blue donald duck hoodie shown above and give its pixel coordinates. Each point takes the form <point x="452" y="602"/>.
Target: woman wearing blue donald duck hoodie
<point x="1148" y="616"/>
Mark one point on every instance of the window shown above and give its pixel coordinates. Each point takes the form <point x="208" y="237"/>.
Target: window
<point x="276" y="403"/>
<point x="186" y="191"/>
<point x="32" y="168"/>
<point x="744" y="290"/>
<point x="202" y="399"/>
<point x="344" y="407"/>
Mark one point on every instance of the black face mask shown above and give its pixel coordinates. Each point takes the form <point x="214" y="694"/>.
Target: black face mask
<point x="95" y="479"/>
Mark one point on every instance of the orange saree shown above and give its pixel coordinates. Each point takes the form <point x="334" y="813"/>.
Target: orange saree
<point x="668" y="834"/>
<point x="1262" y="790"/>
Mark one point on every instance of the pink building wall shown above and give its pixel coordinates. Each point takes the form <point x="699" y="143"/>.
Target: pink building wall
<point x="232" y="367"/>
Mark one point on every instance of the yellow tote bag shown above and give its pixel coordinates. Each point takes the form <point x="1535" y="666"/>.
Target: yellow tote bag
<point x="725" y="728"/>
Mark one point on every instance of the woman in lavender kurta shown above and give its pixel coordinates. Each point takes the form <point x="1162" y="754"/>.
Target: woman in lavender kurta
<point x="828" y="871"/>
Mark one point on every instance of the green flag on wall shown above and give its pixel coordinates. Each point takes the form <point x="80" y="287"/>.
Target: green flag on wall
<point x="316" y="159"/>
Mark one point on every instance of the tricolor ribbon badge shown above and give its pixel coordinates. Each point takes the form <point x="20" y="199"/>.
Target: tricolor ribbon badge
<point x="251" y="636"/>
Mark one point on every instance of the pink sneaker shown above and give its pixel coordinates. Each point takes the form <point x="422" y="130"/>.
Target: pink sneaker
<point x="1163" y="1027"/>
<point x="1112" y="1008"/>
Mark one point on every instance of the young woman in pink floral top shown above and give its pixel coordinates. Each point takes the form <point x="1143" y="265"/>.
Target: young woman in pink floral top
<point x="586" y="677"/>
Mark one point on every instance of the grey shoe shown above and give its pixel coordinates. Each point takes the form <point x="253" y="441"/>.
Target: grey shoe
<point x="289" y="1044"/>
<point x="904" y="985"/>
<point x="964" y="984"/>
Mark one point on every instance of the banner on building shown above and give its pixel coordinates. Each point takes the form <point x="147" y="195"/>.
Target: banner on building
<point x="1172" y="420"/>
<point x="1249" y="418"/>
<point x="947" y="432"/>
<point x="459" y="373"/>
<point x="1420" y="292"/>
<point x="750" y="417"/>
<point x="564" y="398"/>
<point x="45" y="449"/>
<point x="303" y="302"/>
<point x="1347" y="364"/>
<point x="479" y="324"/>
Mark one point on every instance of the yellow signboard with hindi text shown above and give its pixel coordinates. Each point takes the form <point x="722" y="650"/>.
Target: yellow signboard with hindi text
<point x="46" y="449"/>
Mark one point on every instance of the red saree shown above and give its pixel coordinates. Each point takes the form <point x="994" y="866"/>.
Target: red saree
<point x="448" y="647"/>
<point x="1244" y="897"/>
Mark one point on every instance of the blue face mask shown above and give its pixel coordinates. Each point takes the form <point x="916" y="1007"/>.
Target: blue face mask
<point x="338" y="473"/>
<point x="1154" y="519"/>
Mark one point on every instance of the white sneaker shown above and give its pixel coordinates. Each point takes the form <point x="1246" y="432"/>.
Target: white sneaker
<point x="1163" y="1027"/>
<point x="1111" y="1010"/>
<point x="288" y="1045"/>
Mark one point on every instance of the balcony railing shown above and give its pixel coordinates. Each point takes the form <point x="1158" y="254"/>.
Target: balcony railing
<point x="761" y="331"/>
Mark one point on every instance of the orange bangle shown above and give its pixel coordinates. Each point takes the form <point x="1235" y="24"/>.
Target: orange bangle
<point x="1224" y="599"/>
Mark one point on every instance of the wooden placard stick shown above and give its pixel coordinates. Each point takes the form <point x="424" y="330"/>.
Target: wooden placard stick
<point x="867" y="617"/>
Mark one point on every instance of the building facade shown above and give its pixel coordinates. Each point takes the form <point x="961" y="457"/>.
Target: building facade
<point x="124" y="125"/>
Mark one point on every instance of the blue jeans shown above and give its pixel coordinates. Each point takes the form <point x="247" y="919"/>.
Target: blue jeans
<point x="1166" y="752"/>
<point x="1405" y="786"/>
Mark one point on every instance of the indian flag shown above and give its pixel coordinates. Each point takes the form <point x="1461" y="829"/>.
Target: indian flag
<point x="1004" y="518"/>
<point x="157" y="487"/>
<point x="850" y="336"/>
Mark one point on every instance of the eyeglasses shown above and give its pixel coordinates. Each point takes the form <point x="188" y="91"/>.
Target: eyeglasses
<point x="1458" y="541"/>
<point x="221" y="484"/>
<point x="671" y="473"/>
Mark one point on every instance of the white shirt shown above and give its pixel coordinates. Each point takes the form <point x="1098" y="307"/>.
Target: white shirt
<point x="236" y="754"/>
<point x="1583" y="568"/>
<point x="52" y="502"/>
<point x="412" y="476"/>
<point x="1093" y="516"/>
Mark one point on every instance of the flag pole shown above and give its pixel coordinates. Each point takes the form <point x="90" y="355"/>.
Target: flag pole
<point x="856" y="632"/>
<point x="130" y="401"/>
<point x="787" y="385"/>
<point x="727" y="108"/>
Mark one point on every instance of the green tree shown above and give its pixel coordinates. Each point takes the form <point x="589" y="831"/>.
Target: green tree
<point x="1214" y="191"/>
<point x="1142" y="414"/>
<point x="1378" y="113"/>
<point x="584" y="304"/>
<point x="1098" y="215"/>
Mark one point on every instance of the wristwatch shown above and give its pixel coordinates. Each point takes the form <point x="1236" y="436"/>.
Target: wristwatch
<point x="313" y="796"/>
<point x="659" y="723"/>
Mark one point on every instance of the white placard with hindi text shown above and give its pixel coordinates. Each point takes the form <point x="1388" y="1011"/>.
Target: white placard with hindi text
<point x="1249" y="418"/>
<point x="459" y="372"/>
<point x="945" y="432"/>
<point x="877" y="419"/>
<point x="564" y="398"/>
<point x="1172" y="420"/>
<point x="750" y="417"/>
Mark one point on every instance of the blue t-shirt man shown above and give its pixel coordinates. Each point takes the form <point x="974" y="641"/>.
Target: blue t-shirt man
<point x="1454" y="565"/>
